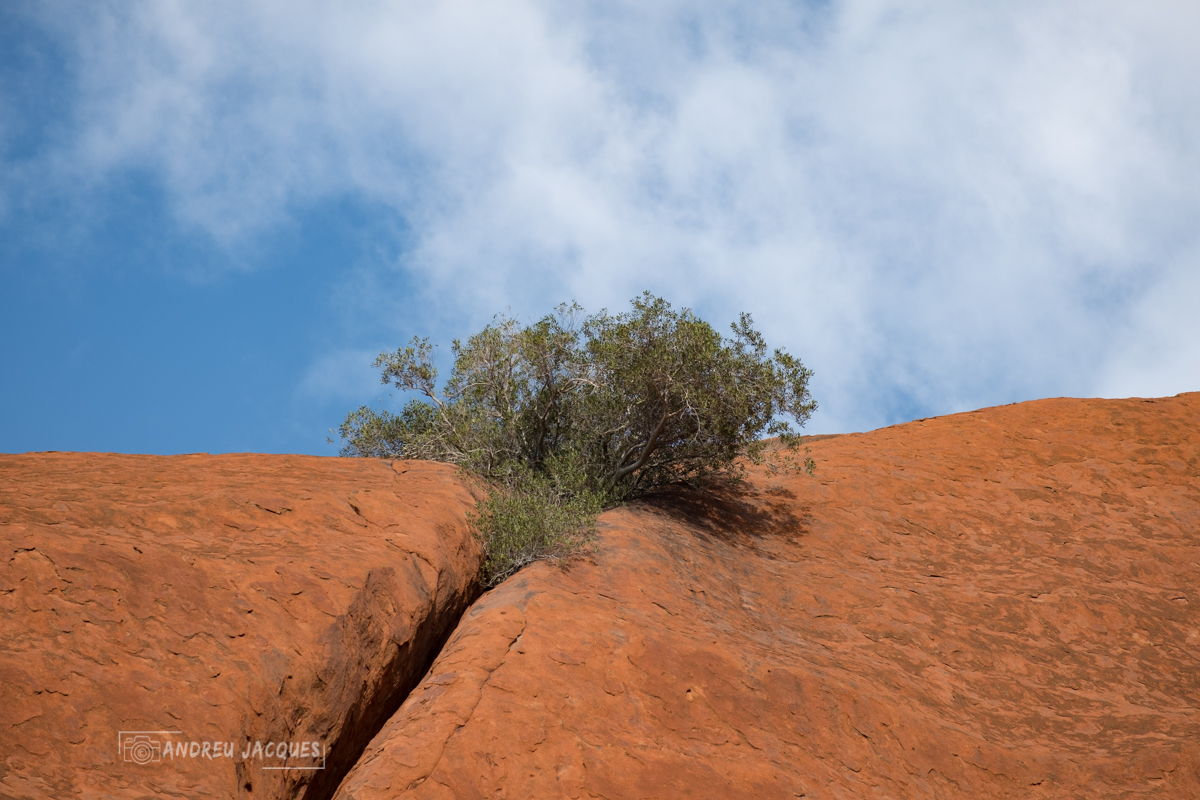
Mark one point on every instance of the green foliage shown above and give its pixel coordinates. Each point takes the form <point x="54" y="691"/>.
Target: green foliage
<point x="573" y="413"/>
<point x="534" y="516"/>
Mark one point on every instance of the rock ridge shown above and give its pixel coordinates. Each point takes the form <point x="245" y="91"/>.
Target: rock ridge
<point x="233" y="599"/>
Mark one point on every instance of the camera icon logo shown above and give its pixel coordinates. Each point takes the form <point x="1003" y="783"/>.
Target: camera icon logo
<point x="139" y="748"/>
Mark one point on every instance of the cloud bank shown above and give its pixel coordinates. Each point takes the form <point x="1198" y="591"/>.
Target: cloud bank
<point x="937" y="206"/>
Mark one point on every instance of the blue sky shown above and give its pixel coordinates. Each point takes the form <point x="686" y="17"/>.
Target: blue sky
<point x="213" y="217"/>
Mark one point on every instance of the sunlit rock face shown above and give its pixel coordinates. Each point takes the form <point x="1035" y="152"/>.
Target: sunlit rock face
<point x="994" y="604"/>
<point x="163" y="617"/>
<point x="1004" y="603"/>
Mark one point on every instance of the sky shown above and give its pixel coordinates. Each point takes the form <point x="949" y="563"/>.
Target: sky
<point x="214" y="216"/>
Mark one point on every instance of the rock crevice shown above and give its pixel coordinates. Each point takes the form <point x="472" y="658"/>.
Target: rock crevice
<point x="950" y="608"/>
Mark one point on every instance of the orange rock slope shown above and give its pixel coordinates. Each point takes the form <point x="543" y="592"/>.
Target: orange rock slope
<point x="233" y="600"/>
<point x="1004" y="603"/>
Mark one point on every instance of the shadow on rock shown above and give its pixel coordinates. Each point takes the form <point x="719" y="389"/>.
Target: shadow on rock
<point x="732" y="512"/>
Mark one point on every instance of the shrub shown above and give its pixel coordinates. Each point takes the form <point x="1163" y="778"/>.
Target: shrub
<point x="530" y="519"/>
<point x="574" y="413"/>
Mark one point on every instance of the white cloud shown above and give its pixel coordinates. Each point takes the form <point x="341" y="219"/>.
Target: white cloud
<point x="1157" y="349"/>
<point x="937" y="205"/>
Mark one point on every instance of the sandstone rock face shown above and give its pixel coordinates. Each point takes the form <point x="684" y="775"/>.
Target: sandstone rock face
<point x="1004" y="603"/>
<point x="233" y="599"/>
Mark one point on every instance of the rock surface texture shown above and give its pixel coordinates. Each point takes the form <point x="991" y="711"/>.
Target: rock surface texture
<point x="1004" y="603"/>
<point x="232" y="599"/>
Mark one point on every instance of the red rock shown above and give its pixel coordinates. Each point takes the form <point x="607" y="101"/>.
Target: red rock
<point x="234" y="599"/>
<point x="1003" y="603"/>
